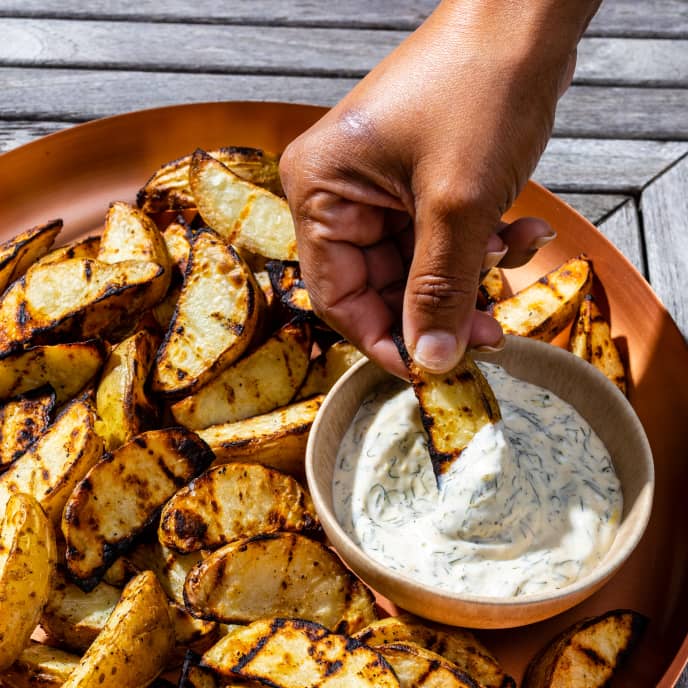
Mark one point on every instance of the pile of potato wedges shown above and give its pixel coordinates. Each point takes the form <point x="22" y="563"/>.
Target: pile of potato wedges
<point x="157" y="385"/>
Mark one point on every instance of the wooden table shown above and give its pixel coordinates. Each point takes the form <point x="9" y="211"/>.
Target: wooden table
<point x="620" y="148"/>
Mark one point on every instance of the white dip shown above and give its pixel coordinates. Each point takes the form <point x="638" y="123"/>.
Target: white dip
<point x="531" y="505"/>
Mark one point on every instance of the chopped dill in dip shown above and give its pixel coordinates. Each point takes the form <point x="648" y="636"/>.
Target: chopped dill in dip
<point x="531" y="505"/>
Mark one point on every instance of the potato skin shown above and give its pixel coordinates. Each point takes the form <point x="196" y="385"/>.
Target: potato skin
<point x="135" y="644"/>
<point x="27" y="565"/>
<point x="40" y="666"/>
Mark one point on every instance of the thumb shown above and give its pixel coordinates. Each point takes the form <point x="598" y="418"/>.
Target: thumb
<point x="440" y="296"/>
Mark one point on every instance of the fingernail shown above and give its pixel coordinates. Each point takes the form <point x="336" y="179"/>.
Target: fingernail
<point x="491" y="348"/>
<point x="436" y="351"/>
<point x="542" y="241"/>
<point x="492" y="258"/>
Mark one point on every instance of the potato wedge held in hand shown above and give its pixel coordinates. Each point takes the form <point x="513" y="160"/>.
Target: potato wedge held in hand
<point x="67" y="368"/>
<point x="262" y="381"/>
<point x="76" y="299"/>
<point x="276" y="575"/>
<point x="218" y="311"/>
<point x="543" y="309"/>
<point x="586" y="654"/>
<point x="168" y="188"/>
<point x="135" y="644"/>
<point x="457" y="645"/>
<point x="277" y="439"/>
<point x="121" y="495"/>
<point x="27" y="565"/>
<point x="54" y="464"/>
<point x="18" y="253"/>
<point x="245" y="215"/>
<point x="232" y="502"/>
<point x="453" y="407"/>
<point x="40" y="666"/>
<point x="592" y="341"/>
<point x="124" y="409"/>
<point x="417" y="667"/>
<point x="23" y="420"/>
<point x="293" y="653"/>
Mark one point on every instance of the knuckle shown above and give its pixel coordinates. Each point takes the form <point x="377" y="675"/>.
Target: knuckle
<point x="440" y="292"/>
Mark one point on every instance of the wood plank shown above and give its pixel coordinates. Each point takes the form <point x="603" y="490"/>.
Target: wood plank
<point x="13" y="134"/>
<point x="594" y="207"/>
<point x="611" y="165"/>
<point x="585" y="111"/>
<point x="664" y="205"/>
<point x="622" y="228"/>
<point x="616" y="17"/>
<point x="289" y="50"/>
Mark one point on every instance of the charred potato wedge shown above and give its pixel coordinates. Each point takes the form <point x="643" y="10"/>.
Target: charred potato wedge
<point x="543" y="309"/>
<point x="265" y="576"/>
<point x="27" y="564"/>
<point x="417" y="667"/>
<point x="216" y="316"/>
<point x="135" y="644"/>
<point x="262" y="381"/>
<point x="277" y="439"/>
<point x="453" y="407"/>
<point x="40" y="666"/>
<point x="20" y="252"/>
<point x="123" y="493"/>
<point x="73" y="618"/>
<point x="232" y="502"/>
<point x="591" y="340"/>
<point x="76" y="299"/>
<point x="492" y="287"/>
<point x="193" y="676"/>
<point x="83" y="248"/>
<point x="124" y="409"/>
<point x="178" y="236"/>
<point x="245" y="215"/>
<point x="67" y="368"/>
<point x="289" y="287"/>
<point x="588" y="653"/>
<point x="168" y="188"/>
<point x="457" y="645"/>
<point x="54" y="464"/>
<point x="293" y="653"/>
<point x="328" y="367"/>
<point x="22" y="421"/>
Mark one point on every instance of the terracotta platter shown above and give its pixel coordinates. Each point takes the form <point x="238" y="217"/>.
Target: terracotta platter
<point x="76" y="173"/>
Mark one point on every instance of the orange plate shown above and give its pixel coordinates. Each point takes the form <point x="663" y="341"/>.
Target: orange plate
<point x="76" y="173"/>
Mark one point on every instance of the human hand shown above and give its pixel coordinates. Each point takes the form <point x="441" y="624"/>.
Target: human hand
<point x="397" y="193"/>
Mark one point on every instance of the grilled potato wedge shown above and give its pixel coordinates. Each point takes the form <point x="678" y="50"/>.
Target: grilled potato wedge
<point x="492" y="287"/>
<point x="40" y="666"/>
<point x="232" y="502"/>
<point x="177" y="236"/>
<point x="193" y="676"/>
<point x="54" y="464"/>
<point x="588" y="653"/>
<point x="168" y="188"/>
<point x="263" y="281"/>
<point x="457" y="645"/>
<point x="135" y="644"/>
<point x="417" y="667"/>
<point x="453" y="407"/>
<point x="18" y="253"/>
<point x="277" y="439"/>
<point x="83" y="248"/>
<point x="289" y="287"/>
<point x="67" y="368"/>
<point x="293" y="653"/>
<point x="124" y="409"/>
<point x="262" y="381"/>
<point x="328" y="367"/>
<point x="216" y="316"/>
<point x="170" y="567"/>
<point x="27" y="564"/>
<point x="543" y="309"/>
<point x="190" y="631"/>
<point x="245" y="215"/>
<point x="591" y="339"/>
<point x="265" y="576"/>
<point x="73" y="618"/>
<point x="123" y="493"/>
<point x="23" y="420"/>
<point x="76" y="299"/>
